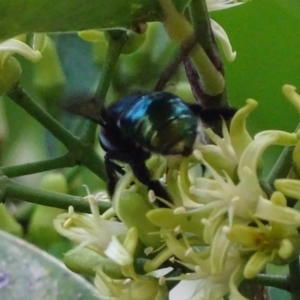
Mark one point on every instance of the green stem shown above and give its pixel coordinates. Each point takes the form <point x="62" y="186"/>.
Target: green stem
<point x="203" y="31"/>
<point x="19" y="96"/>
<point x="171" y="68"/>
<point x="71" y="174"/>
<point x="281" y="169"/>
<point x="294" y="279"/>
<point x="201" y="24"/>
<point x="115" y="45"/>
<point x="279" y="282"/>
<point x="116" y="42"/>
<point x="282" y="166"/>
<point x="18" y="191"/>
<point x="83" y="152"/>
<point x="37" y="167"/>
<point x="89" y="132"/>
<point x="253" y="291"/>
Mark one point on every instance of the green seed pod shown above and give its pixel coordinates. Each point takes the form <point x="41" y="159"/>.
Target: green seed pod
<point x="40" y="230"/>
<point x="132" y="208"/>
<point x="84" y="261"/>
<point x="55" y="182"/>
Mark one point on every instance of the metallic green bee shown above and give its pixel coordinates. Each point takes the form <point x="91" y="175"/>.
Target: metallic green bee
<point x="145" y="123"/>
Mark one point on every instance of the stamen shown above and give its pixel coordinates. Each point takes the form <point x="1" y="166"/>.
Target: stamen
<point x="148" y="250"/>
<point x="235" y="199"/>
<point x="71" y="210"/>
<point x="151" y="196"/>
<point x="179" y="210"/>
<point x="198" y="155"/>
<point x="127" y="281"/>
<point x="206" y="222"/>
<point x="68" y="223"/>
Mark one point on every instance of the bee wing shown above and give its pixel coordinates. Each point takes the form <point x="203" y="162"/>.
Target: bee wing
<point x="86" y="107"/>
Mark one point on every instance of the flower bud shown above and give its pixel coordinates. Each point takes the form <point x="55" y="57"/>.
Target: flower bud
<point x="10" y="72"/>
<point x="132" y="209"/>
<point x="84" y="261"/>
<point x="55" y="182"/>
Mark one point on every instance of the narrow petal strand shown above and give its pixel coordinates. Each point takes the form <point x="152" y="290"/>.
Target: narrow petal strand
<point x="15" y="46"/>
<point x="223" y="38"/>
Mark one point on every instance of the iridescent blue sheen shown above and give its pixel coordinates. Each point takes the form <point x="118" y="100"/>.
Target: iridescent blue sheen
<point x="159" y="122"/>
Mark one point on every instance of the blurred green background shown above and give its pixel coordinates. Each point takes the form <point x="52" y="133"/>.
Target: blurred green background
<point x="265" y="35"/>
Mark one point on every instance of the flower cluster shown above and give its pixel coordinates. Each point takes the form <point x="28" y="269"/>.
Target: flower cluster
<point x="222" y="228"/>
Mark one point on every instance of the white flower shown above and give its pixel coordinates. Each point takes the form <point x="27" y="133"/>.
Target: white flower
<point x="209" y="283"/>
<point x="238" y="195"/>
<point x="91" y="231"/>
<point x="133" y="285"/>
<point x="276" y="241"/>
<point x="221" y="228"/>
<point x="225" y="152"/>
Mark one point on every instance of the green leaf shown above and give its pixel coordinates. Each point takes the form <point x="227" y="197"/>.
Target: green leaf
<point x="75" y="15"/>
<point x="29" y="273"/>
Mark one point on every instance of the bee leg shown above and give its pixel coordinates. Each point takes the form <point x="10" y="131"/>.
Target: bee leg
<point x="141" y="172"/>
<point x="136" y="161"/>
<point x="111" y="170"/>
<point x="173" y="66"/>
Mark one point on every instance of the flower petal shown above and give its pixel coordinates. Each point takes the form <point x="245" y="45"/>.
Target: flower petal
<point x="223" y="38"/>
<point x="116" y="252"/>
<point x="39" y="41"/>
<point x="266" y="210"/>
<point x="263" y="140"/>
<point x="15" y="46"/>
<point x="213" y="5"/>
<point x="240" y="137"/>
<point x="290" y="92"/>
<point x="289" y="187"/>
<point x="257" y="262"/>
